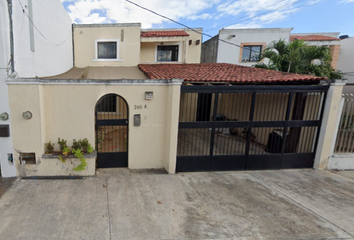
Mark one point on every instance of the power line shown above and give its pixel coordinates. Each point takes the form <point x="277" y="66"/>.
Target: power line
<point x="201" y="33"/>
<point x="241" y="18"/>
<point x="24" y="11"/>
<point x="244" y="19"/>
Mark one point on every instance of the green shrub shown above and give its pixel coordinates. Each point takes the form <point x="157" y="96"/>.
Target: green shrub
<point x="76" y="144"/>
<point x="62" y="144"/>
<point x="89" y="149"/>
<point x="85" y="144"/>
<point x="66" y="151"/>
<point x="49" y="147"/>
<point x="77" y="153"/>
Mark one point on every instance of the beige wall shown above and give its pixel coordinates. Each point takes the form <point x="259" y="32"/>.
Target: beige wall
<point x="188" y="53"/>
<point x="84" y="43"/>
<point x="147" y="51"/>
<point x="67" y="111"/>
<point x="193" y="51"/>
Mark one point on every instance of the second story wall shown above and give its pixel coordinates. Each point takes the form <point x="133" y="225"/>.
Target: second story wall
<point x="210" y="50"/>
<point x="184" y="44"/>
<point x="251" y="42"/>
<point x="107" y="44"/>
<point x="346" y="59"/>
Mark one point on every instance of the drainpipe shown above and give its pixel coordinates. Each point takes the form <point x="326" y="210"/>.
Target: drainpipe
<point x="9" y="5"/>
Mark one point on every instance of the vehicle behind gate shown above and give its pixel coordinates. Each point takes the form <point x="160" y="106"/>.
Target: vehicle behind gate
<point x="248" y="127"/>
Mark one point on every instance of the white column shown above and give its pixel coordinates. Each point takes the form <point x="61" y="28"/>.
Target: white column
<point x="328" y="129"/>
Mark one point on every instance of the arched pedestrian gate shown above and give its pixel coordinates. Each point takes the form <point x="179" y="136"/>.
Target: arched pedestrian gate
<point x="111" y="131"/>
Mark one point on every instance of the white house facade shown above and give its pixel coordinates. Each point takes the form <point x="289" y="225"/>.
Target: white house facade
<point x="42" y="46"/>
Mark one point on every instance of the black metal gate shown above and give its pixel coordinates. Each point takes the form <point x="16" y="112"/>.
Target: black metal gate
<point x="112" y="131"/>
<point x="248" y="127"/>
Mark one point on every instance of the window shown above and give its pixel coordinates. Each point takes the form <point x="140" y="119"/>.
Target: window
<point x="107" y="50"/>
<point x="251" y="53"/>
<point x="167" y="53"/>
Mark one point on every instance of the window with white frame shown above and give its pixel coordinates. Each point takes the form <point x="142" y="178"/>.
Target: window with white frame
<point x="107" y="50"/>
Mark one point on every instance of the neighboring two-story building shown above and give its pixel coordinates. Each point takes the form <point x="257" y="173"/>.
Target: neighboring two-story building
<point x="346" y="61"/>
<point x="248" y="44"/>
<point x="41" y="45"/>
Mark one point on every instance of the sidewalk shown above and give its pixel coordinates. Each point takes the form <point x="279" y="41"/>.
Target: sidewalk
<point x="127" y="204"/>
<point x="5" y="183"/>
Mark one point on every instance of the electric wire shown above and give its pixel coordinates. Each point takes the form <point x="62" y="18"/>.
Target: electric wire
<point x="181" y="24"/>
<point x="244" y="18"/>
<point x="24" y="11"/>
<point x="241" y="18"/>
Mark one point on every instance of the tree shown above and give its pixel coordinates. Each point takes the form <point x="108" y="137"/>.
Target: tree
<point x="298" y="57"/>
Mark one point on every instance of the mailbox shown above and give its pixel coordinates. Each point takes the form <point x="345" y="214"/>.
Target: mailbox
<point x="137" y="120"/>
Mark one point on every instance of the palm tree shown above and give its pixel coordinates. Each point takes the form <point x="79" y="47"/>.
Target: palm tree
<point x="298" y="57"/>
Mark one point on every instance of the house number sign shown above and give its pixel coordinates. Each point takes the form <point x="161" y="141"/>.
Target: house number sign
<point x="139" y="107"/>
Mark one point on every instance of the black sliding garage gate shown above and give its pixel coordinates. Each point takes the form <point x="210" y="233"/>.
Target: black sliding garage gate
<point x="248" y="127"/>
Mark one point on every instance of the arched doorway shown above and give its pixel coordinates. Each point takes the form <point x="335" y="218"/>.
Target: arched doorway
<point x="112" y="120"/>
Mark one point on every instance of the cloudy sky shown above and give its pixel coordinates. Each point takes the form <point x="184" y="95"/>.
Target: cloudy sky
<point x="212" y="15"/>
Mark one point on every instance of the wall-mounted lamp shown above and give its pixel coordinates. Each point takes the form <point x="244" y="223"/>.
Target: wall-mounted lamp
<point x="27" y="115"/>
<point x="231" y="36"/>
<point x="197" y="42"/>
<point x="149" y="95"/>
<point x="4" y="116"/>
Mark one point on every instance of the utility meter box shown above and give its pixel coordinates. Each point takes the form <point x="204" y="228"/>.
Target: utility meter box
<point x="4" y="130"/>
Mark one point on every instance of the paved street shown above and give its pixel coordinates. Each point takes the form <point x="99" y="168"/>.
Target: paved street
<point x="5" y="183"/>
<point x="126" y="204"/>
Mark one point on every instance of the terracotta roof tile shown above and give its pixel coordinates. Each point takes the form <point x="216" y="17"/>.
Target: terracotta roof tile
<point x="313" y="38"/>
<point x="221" y="72"/>
<point x="164" y="34"/>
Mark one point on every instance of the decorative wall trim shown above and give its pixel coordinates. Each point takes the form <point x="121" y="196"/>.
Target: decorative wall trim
<point x="34" y="81"/>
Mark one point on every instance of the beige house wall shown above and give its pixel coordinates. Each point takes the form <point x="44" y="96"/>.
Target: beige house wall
<point x="67" y="111"/>
<point x="127" y="35"/>
<point x="147" y="51"/>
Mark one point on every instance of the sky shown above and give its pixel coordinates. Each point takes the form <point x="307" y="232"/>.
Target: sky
<point x="304" y="16"/>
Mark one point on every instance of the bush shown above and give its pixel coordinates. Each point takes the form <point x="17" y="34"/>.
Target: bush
<point x="49" y="147"/>
<point x="62" y="144"/>
<point x="76" y="144"/>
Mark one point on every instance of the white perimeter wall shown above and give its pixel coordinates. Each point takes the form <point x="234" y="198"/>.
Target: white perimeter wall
<point x="7" y="169"/>
<point x="346" y="59"/>
<point x="52" y="55"/>
<point x="231" y="54"/>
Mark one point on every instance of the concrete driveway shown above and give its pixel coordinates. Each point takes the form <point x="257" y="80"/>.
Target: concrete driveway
<point x="126" y="204"/>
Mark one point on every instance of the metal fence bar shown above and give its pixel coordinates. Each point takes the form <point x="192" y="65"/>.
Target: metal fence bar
<point x="248" y="126"/>
<point x="345" y="142"/>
